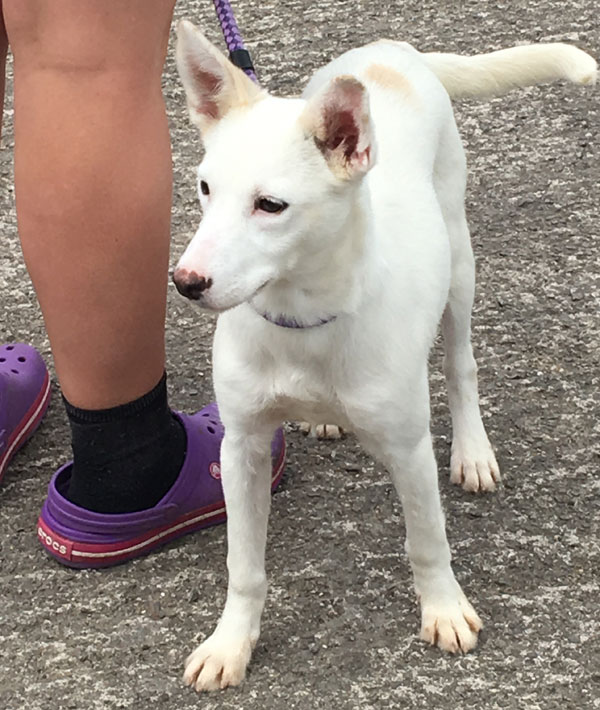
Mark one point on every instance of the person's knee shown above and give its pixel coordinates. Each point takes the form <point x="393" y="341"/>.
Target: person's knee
<point x="71" y="37"/>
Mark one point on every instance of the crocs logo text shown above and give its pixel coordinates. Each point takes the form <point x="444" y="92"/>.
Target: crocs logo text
<point x="51" y="543"/>
<point x="215" y="470"/>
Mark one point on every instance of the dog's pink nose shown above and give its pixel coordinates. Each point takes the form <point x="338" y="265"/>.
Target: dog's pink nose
<point x="189" y="284"/>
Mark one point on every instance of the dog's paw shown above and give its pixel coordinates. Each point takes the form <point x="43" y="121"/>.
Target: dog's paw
<point x="217" y="663"/>
<point x="321" y="431"/>
<point x="474" y="467"/>
<point x="453" y="627"/>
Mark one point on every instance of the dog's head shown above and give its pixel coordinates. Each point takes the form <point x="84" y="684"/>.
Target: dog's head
<point x="278" y="179"/>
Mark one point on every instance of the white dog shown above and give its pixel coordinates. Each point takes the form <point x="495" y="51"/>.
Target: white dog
<point x="333" y="242"/>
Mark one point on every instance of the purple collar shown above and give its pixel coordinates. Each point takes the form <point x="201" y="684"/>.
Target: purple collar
<point x="285" y="322"/>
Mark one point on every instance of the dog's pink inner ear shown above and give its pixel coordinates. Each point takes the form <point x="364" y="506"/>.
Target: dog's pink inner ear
<point x="342" y="131"/>
<point x="208" y="86"/>
<point x="340" y="128"/>
<point x="213" y="85"/>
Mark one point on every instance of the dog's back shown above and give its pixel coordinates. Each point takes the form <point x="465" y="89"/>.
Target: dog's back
<point x="405" y="87"/>
<point x="406" y="101"/>
<point x="419" y="164"/>
<point x="481" y="75"/>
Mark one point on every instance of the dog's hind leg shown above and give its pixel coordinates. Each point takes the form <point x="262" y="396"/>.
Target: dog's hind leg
<point x="473" y="463"/>
<point x="321" y="431"/>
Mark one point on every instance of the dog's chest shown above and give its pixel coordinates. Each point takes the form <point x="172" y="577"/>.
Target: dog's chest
<point x="306" y="390"/>
<point x="296" y="374"/>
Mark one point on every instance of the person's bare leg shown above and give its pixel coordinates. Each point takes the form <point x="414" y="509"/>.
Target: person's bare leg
<point x="93" y="186"/>
<point x="93" y="192"/>
<point x="3" y="52"/>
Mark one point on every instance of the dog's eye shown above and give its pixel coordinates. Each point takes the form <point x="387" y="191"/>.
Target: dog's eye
<point x="270" y="204"/>
<point x="204" y="187"/>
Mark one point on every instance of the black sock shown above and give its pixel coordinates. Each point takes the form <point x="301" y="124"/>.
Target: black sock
<point x="125" y="458"/>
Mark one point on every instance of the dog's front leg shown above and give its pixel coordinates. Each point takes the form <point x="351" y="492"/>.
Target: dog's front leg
<point x="246" y="475"/>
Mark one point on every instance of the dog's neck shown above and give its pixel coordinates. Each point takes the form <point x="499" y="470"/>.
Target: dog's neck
<point x="327" y="284"/>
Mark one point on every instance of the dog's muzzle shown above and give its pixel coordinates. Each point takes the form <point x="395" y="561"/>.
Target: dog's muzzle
<point x="189" y="284"/>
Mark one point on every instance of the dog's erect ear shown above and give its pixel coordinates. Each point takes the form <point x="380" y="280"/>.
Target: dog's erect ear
<point x="338" y="119"/>
<point x="213" y="85"/>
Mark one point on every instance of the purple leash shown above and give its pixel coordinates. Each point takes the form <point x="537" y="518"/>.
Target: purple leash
<point x="238" y="54"/>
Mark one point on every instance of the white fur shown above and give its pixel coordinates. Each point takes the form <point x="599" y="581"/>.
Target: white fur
<point x="498" y="72"/>
<point x="376" y="235"/>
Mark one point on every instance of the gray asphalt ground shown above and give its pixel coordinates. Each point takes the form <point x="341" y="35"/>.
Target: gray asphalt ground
<point x="340" y="628"/>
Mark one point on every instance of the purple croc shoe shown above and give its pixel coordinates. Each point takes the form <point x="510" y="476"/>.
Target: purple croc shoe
<point x="24" y="397"/>
<point x="77" y="537"/>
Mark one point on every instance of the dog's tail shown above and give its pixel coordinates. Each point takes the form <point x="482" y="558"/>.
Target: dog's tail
<point x="493" y="74"/>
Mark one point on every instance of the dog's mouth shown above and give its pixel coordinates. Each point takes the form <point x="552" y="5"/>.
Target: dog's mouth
<point x="208" y="304"/>
<point x="258" y="290"/>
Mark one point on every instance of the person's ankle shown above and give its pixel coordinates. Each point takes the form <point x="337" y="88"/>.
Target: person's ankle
<point x="125" y="458"/>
